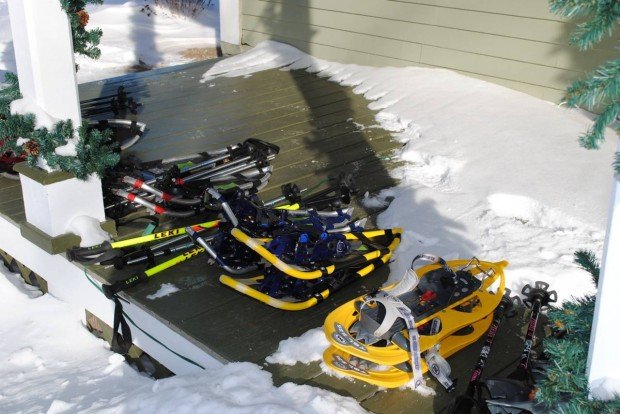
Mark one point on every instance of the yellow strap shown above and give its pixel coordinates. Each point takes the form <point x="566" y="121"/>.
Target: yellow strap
<point x="288" y="207"/>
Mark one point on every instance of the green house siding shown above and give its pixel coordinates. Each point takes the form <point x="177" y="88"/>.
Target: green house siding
<point x="520" y="45"/>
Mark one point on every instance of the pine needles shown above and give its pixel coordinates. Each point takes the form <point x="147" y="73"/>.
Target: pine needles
<point x="94" y="153"/>
<point x="85" y="42"/>
<point x="565" y="387"/>
<point x="601" y="88"/>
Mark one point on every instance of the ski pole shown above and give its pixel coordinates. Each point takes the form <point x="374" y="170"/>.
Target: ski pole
<point x="463" y="404"/>
<point x="537" y="298"/>
<point x="243" y="161"/>
<point x="163" y="251"/>
<point x="152" y="206"/>
<point x="141" y="185"/>
<point x="515" y="393"/>
<point x="112" y="289"/>
<point x="110" y="250"/>
<point x="281" y="198"/>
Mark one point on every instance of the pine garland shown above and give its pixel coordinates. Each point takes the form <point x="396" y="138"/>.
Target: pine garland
<point x="587" y="260"/>
<point x="601" y="88"/>
<point x="85" y="42"/>
<point x="566" y="382"/>
<point x="94" y="154"/>
<point x="12" y="127"/>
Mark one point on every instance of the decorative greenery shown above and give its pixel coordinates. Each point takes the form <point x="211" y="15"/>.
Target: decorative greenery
<point x="85" y="42"/>
<point x="566" y="380"/>
<point x="12" y="127"/>
<point x="601" y="88"/>
<point x="94" y="154"/>
<point x="587" y="260"/>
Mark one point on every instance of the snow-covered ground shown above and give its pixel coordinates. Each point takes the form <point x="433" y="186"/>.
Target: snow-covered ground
<point x="50" y="363"/>
<point x="130" y="37"/>
<point x="490" y="172"/>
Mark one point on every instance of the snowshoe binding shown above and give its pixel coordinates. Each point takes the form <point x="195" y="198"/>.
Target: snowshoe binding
<point x="434" y="311"/>
<point x="304" y="268"/>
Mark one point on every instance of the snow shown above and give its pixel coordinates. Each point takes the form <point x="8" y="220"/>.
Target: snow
<point x="130" y="36"/>
<point x="489" y="171"/>
<point x="165" y="289"/>
<point x="306" y="348"/>
<point x="26" y="106"/>
<point x="49" y="362"/>
<point x="89" y="229"/>
<point x="605" y="389"/>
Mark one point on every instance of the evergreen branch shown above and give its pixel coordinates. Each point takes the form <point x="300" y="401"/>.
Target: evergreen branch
<point x="602" y="23"/>
<point x="85" y="42"/>
<point x="586" y="259"/>
<point x="616" y="164"/>
<point x="601" y="87"/>
<point x="596" y="134"/>
<point x="600" y="15"/>
<point x="564" y="390"/>
<point x="95" y="151"/>
<point x="573" y="8"/>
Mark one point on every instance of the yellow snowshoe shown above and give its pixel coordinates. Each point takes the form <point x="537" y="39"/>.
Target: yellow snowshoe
<point x="399" y="375"/>
<point x="427" y="306"/>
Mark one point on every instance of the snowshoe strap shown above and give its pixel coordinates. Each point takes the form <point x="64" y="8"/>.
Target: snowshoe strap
<point x="439" y="368"/>
<point x="409" y="282"/>
<point x="432" y="259"/>
<point x="437" y="365"/>
<point x="394" y="309"/>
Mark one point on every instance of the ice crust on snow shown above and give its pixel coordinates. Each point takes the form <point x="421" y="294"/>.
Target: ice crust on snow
<point x="489" y="172"/>
<point x="306" y="348"/>
<point x="64" y="368"/>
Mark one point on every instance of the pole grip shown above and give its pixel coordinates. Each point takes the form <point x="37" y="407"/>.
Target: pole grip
<point x="111" y="290"/>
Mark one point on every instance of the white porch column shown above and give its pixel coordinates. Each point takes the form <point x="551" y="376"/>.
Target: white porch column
<point x="230" y="23"/>
<point x="44" y="57"/>
<point x="603" y="367"/>
<point x="47" y="81"/>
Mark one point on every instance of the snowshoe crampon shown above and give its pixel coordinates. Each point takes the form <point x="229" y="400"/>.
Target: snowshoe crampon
<point x="300" y="281"/>
<point x="442" y="299"/>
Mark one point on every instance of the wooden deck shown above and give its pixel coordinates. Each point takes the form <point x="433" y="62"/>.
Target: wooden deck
<point x="315" y="123"/>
